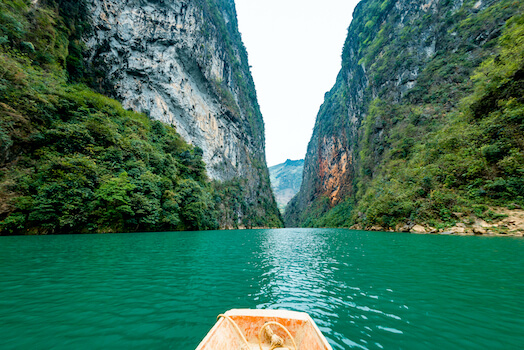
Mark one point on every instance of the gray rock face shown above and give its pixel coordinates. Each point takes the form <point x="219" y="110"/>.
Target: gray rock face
<point x="183" y="62"/>
<point x="158" y="59"/>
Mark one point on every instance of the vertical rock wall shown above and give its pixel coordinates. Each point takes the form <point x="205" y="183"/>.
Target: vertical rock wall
<point x="183" y="62"/>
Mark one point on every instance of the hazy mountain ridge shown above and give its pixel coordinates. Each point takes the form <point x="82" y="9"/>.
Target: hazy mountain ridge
<point x="414" y="130"/>
<point x="286" y="179"/>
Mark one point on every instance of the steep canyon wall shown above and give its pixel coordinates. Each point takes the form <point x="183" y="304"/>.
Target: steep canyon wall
<point x="395" y="142"/>
<point x="183" y="63"/>
<point x="121" y="116"/>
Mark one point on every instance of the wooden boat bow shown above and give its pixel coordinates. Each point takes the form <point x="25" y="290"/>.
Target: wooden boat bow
<point x="264" y="330"/>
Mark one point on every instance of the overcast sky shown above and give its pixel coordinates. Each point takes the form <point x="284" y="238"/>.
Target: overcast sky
<point x="294" y="48"/>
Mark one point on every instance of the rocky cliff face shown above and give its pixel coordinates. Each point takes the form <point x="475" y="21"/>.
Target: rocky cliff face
<point x="183" y="63"/>
<point x="406" y="67"/>
<point x="166" y="58"/>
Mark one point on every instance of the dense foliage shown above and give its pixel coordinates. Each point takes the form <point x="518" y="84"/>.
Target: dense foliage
<point x="450" y="147"/>
<point x="72" y="160"/>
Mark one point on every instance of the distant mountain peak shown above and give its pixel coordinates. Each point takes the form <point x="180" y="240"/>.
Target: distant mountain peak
<point x="290" y="162"/>
<point x="286" y="179"/>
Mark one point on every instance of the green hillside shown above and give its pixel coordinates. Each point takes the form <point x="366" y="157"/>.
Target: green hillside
<point x="73" y="160"/>
<point x="450" y="146"/>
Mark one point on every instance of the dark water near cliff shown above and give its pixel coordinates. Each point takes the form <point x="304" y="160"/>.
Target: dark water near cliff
<point x="164" y="290"/>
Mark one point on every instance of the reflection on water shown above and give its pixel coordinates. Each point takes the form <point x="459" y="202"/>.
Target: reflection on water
<point x="164" y="290"/>
<point x="312" y="273"/>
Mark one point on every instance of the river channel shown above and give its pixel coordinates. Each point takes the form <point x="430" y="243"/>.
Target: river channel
<point x="367" y="290"/>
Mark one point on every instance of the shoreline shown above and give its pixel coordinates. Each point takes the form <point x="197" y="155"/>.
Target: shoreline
<point x="509" y="223"/>
<point x="439" y="232"/>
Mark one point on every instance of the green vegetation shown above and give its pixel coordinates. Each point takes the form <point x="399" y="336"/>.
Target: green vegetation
<point x="473" y="156"/>
<point x="320" y="214"/>
<point x="452" y="144"/>
<point x="87" y="165"/>
<point x="230" y="200"/>
<point x="75" y="161"/>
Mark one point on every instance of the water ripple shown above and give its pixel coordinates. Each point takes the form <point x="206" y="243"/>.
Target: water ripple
<point x="164" y="290"/>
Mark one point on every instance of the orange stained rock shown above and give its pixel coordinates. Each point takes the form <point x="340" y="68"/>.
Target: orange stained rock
<point x="333" y="168"/>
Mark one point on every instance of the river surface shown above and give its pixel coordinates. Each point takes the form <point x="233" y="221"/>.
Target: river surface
<point x="368" y="290"/>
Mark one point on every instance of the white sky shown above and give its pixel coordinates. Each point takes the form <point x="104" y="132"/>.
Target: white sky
<point x="294" y="48"/>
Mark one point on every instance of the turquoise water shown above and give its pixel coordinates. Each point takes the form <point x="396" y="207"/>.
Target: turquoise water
<point x="367" y="290"/>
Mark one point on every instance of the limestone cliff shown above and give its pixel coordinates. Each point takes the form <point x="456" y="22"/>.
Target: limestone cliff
<point x="183" y="62"/>
<point x="395" y="142"/>
<point x="97" y="101"/>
